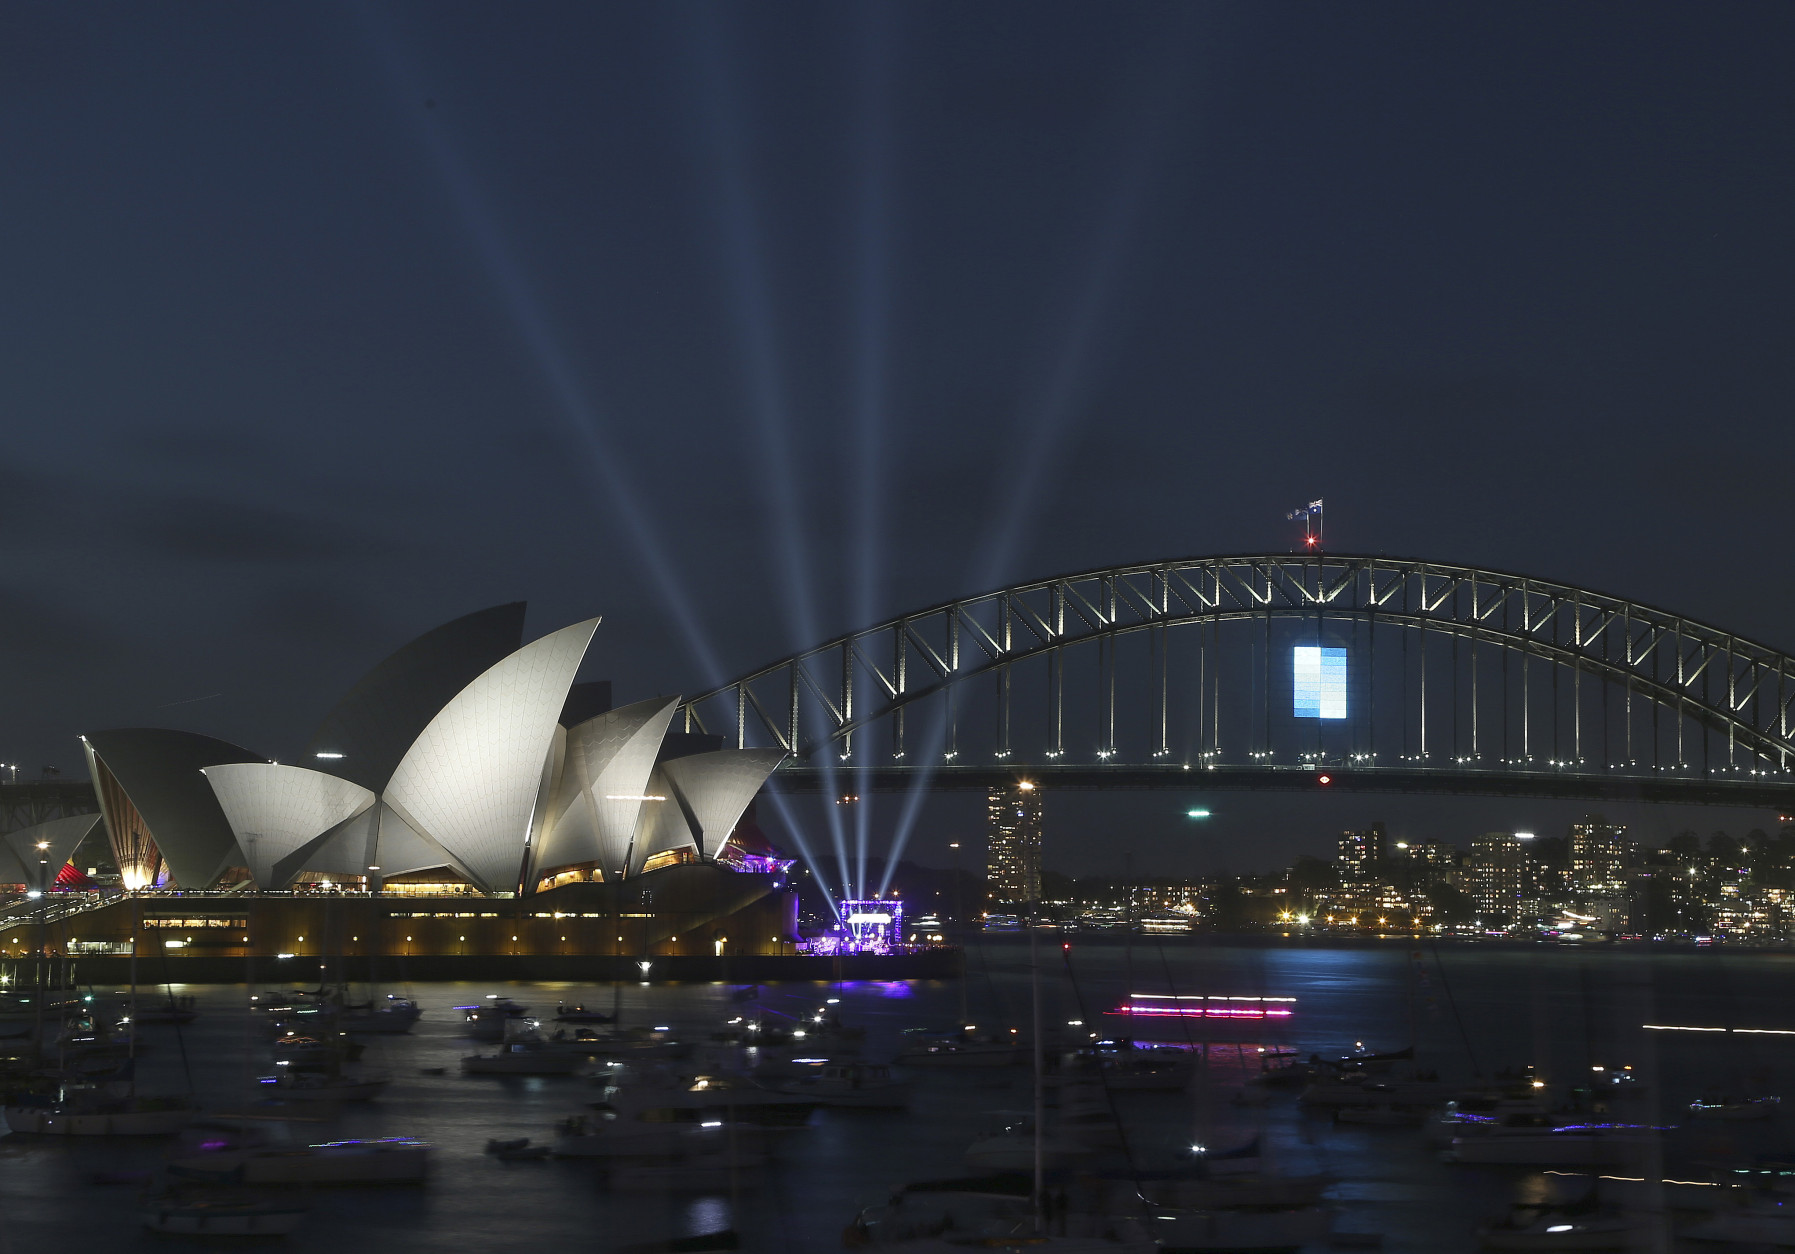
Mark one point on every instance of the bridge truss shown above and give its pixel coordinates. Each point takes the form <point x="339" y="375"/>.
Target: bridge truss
<point x="1458" y="678"/>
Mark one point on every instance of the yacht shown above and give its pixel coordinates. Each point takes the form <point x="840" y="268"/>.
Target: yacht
<point x="393" y="1016"/>
<point x="1733" y="1108"/>
<point x="91" y="1113"/>
<point x="962" y="1047"/>
<point x="486" y="1020"/>
<point x="579" y="1014"/>
<point x="851" y="1084"/>
<point x="524" y="1052"/>
<point x="263" y="1154"/>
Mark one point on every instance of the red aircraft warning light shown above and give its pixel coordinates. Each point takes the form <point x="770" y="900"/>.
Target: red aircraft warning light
<point x="1324" y="779"/>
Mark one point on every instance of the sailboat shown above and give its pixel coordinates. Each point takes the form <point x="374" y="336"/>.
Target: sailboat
<point x="83" y="1106"/>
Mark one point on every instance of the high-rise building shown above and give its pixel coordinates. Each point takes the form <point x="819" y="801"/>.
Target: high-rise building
<point x="1498" y="872"/>
<point x="1013" y="842"/>
<point x="1361" y="851"/>
<point x="1598" y="853"/>
<point x="1434" y="860"/>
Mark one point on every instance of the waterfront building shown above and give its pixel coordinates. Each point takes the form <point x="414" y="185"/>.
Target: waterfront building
<point x="466" y="768"/>
<point x="1598" y="851"/>
<point x="1013" y="841"/>
<point x="1498" y="873"/>
<point x="1360" y="852"/>
<point x="466" y="756"/>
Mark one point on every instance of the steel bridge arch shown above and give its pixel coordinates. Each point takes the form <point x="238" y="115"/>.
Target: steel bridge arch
<point x="1720" y="681"/>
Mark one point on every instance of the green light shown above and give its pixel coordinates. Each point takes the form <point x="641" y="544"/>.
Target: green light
<point x="1197" y="814"/>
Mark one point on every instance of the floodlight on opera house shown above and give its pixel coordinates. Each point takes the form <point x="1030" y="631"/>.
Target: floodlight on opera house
<point x="466" y="752"/>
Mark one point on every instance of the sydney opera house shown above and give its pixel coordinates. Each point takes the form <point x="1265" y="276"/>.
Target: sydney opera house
<point x="469" y="786"/>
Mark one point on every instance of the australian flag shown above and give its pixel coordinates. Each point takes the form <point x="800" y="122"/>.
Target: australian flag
<point x="1313" y="507"/>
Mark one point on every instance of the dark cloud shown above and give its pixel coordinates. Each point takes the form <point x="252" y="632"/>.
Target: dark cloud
<point x="195" y="529"/>
<point x="39" y="625"/>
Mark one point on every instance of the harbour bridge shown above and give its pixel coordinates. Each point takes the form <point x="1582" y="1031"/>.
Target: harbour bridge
<point x="1284" y="671"/>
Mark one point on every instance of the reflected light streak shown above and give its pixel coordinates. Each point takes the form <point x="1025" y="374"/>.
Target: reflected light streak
<point x="782" y="803"/>
<point x="1040" y="428"/>
<point x="872" y="327"/>
<point x="715" y="83"/>
<point x="524" y="309"/>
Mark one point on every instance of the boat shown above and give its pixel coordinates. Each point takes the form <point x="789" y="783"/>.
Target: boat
<point x="715" y="1100"/>
<point x="583" y="1042"/>
<point x="311" y="1086"/>
<point x="1201" y="1189"/>
<point x="386" y="1160"/>
<point x="296" y="1050"/>
<point x="579" y="1014"/>
<point x="990" y="1213"/>
<point x="1576" y="1145"/>
<point x="1734" y="1107"/>
<point x="1616" y="1082"/>
<point x="92" y="1114"/>
<point x="189" y="1215"/>
<point x="1766" y="1223"/>
<point x="1383" y="1115"/>
<point x="392" y="1017"/>
<point x="963" y="1047"/>
<point x="1529" y="1228"/>
<point x="1014" y="1147"/>
<point x="523" y="1053"/>
<point x="1238" y="1230"/>
<point x="866" y="1086"/>
<point x="486" y="1021"/>
<point x="604" y="1134"/>
<point x="1152" y="1070"/>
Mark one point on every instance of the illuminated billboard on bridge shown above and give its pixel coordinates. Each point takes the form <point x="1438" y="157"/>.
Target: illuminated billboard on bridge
<point x="1320" y="674"/>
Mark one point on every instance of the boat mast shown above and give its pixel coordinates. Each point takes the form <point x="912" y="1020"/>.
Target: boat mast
<point x="136" y="928"/>
<point x="1034" y="978"/>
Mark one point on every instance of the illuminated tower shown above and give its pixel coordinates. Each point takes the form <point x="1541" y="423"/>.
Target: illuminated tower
<point x="1013" y="842"/>
<point x="1598" y="853"/>
<point x="1360" y="852"/>
<point x="1498" y="872"/>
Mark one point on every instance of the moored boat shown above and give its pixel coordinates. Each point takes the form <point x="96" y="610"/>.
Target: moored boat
<point x="180" y="1214"/>
<point x="392" y="1017"/>
<point x="962" y="1048"/>
<point x="1734" y="1108"/>
<point x="387" y="1160"/>
<point x="849" y="1084"/>
<point x="95" y="1115"/>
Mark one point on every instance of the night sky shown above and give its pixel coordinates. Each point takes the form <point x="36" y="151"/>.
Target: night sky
<point x="742" y="325"/>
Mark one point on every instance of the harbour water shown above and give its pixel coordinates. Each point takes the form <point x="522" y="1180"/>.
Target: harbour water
<point x="1472" y="1011"/>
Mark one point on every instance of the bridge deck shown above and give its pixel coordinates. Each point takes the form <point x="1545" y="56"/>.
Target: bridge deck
<point x="1122" y="778"/>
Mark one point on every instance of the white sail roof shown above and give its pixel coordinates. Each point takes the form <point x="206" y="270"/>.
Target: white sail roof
<point x="604" y="776"/>
<point x="663" y="825"/>
<point x="277" y="810"/>
<point x="471" y="781"/>
<point x="712" y="789"/>
<point x="22" y="862"/>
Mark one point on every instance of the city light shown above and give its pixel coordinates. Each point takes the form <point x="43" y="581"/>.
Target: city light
<point x="1197" y="814"/>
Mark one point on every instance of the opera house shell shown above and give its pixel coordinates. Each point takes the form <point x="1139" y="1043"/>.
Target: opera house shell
<point x="467" y="750"/>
